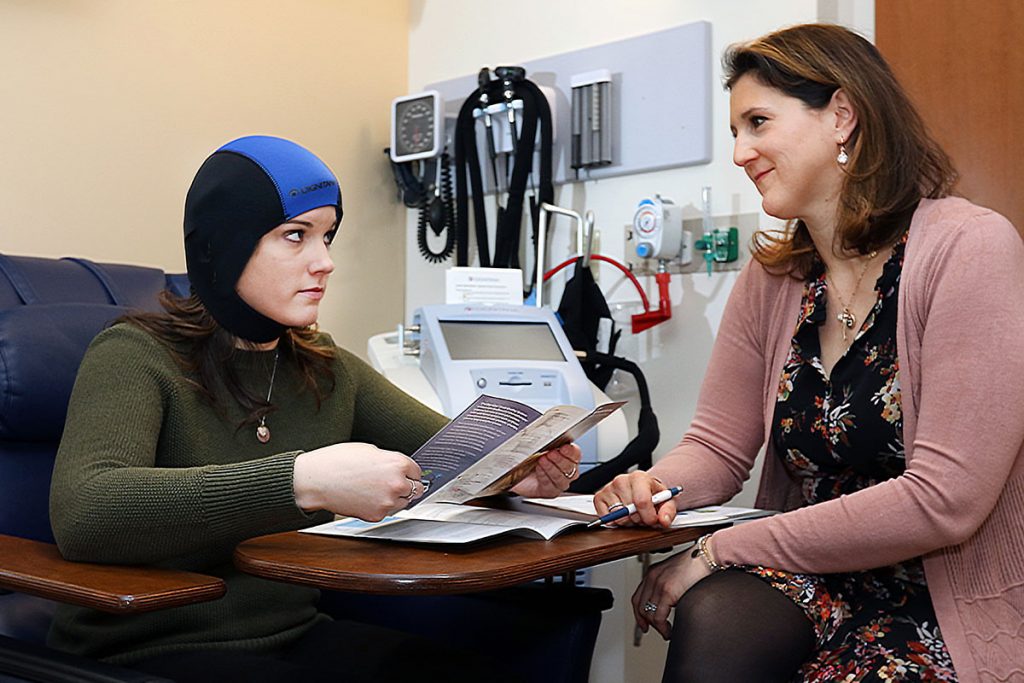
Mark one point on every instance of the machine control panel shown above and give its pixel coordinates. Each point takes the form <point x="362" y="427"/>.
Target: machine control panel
<point x="517" y="352"/>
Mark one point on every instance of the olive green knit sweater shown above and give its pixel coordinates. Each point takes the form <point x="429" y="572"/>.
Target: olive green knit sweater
<point x="148" y="473"/>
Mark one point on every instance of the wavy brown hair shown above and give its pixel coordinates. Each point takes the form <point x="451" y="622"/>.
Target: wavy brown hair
<point x="203" y="348"/>
<point x="893" y="163"/>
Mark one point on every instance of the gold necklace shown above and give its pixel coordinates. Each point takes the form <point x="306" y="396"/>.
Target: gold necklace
<point x="262" y="430"/>
<point x="846" y="316"/>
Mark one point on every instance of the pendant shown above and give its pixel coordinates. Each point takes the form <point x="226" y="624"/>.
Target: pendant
<point x="263" y="433"/>
<point x="846" y="318"/>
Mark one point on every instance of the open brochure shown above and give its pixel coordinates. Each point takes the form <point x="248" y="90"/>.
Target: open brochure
<point x="494" y="443"/>
<point x="448" y="523"/>
<point x="704" y="516"/>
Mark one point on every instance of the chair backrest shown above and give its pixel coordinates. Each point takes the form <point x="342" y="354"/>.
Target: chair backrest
<point x="50" y="309"/>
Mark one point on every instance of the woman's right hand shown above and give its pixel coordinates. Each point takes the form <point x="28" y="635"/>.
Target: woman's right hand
<point x="357" y="480"/>
<point x="637" y="488"/>
<point x="662" y="587"/>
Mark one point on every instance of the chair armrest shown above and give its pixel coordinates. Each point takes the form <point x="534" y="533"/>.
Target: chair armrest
<point x="38" y="569"/>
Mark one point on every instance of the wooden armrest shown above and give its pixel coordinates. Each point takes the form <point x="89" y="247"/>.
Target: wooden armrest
<point x="38" y="569"/>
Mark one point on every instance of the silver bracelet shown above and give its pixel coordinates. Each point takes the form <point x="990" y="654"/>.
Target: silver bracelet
<point x="700" y="548"/>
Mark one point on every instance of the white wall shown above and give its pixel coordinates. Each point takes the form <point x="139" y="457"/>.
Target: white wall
<point x="452" y="38"/>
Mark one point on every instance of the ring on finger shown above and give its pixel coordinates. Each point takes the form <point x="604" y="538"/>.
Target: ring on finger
<point x="571" y="473"/>
<point x="613" y="506"/>
<point x="412" y="490"/>
<point x="650" y="607"/>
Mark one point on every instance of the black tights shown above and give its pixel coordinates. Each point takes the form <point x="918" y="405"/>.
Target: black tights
<point x="733" y="627"/>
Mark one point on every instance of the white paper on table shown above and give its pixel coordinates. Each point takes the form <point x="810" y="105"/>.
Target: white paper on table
<point x="710" y="514"/>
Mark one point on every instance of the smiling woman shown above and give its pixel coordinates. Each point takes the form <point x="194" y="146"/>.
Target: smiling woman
<point x="856" y="347"/>
<point x="788" y="149"/>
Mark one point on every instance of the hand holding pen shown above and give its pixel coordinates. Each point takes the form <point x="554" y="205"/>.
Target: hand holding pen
<point x="621" y="510"/>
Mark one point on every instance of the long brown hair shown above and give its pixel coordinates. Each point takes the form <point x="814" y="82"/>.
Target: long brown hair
<point x="893" y="161"/>
<point x="202" y="348"/>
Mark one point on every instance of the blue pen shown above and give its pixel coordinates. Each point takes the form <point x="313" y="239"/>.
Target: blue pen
<point x="658" y="498"/>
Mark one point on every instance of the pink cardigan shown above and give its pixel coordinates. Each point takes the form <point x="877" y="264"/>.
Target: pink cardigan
<point x="960" y="502"/>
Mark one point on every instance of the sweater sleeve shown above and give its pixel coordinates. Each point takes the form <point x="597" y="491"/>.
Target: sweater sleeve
<point x="718" y="450"/>
<point x="111" y="502"/>
<point x="385" y="415"/>
<point x="967" y="305"/>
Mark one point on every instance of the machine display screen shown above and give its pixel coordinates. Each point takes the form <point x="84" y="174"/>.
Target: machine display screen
<point x="500" y="341"/>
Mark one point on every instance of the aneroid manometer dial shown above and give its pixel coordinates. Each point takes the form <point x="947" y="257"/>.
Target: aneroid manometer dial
<point x="417" y="126"/>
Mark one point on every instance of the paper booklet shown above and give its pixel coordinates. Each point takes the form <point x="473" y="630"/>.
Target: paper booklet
<point x="485" y="450"/>
<point x="704" y="516"/>
<point x="495" y="443"/>
<point x="449" y="523"/>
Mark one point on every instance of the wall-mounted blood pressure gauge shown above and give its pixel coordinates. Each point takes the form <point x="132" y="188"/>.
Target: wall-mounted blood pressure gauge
<point x="417" y="126"/>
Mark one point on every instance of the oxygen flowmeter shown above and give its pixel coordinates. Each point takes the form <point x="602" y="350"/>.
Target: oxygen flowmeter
<point x="658" y="228"/>
<point x="718" y="245"/>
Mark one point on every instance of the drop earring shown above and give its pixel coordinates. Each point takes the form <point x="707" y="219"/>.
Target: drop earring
<point x="842" y="157"/>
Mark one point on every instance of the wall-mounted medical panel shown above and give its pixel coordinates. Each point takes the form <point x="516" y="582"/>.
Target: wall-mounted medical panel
<point x="660" y="100"/>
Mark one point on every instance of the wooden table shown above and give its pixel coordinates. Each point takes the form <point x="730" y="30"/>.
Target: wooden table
<point x="383" y="567"/>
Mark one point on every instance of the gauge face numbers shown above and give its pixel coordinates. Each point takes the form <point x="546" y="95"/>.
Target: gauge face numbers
<point x="415" y="133"/>
<point x="647" y="219"/>
<point x="415" y="126"/>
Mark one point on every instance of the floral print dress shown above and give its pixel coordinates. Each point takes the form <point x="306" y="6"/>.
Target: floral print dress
<point x="837" y="434"/>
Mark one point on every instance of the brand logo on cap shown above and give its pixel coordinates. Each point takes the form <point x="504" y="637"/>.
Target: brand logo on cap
<point x="311" y="188"/>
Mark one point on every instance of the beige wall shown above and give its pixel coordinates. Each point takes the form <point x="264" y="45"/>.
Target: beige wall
<point x="108" y="107"/>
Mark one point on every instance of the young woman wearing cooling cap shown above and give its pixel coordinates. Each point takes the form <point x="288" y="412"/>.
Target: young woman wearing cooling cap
<point x="875" y="348"/>
<point x="228" y="416"/>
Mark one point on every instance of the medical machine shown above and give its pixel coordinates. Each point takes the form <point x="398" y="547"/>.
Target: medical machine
<point x="452" y="353"/>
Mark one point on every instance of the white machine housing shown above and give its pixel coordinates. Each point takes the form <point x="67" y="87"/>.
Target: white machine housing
<point x="448" y="385"/>
<point x="517" y="352"/>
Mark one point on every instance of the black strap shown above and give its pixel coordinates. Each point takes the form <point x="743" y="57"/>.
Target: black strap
<point x="507" y="230"/>
<point x="468" y="172"/>
<point x="467" y="158"/>
<point x="22" y="287"/>
<point x="113" y="292"/>
<point x="545" y="187"/>
<point x="637" y="452"/>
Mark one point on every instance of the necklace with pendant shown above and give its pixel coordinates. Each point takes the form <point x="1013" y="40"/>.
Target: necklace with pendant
<point x="845" y="316"/>
<point x="262" y="430"/>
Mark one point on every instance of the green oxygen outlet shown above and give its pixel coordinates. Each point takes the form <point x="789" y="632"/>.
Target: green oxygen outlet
<point x="727" y="245"/>
<point x="719" y="246"/>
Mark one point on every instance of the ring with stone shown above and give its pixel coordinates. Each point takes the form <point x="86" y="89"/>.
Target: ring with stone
<point x="650" y="607"/>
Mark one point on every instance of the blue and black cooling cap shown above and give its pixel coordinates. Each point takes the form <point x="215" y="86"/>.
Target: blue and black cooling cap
<point x="243" y="191"/>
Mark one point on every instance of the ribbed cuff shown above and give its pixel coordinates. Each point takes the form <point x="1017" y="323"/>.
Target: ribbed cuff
<point x="250" y="496"/>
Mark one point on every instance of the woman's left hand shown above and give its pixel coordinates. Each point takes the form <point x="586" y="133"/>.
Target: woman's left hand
<point x="555" y="470"/>
<point x="662" y="587"/>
